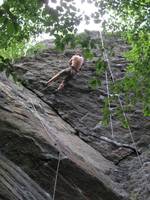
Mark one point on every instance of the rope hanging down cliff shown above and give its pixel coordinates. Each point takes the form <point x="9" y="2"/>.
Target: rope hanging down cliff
<point x="105" y="56"/>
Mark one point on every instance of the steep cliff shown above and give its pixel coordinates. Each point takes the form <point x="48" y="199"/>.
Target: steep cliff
<point x="41" y="129"/>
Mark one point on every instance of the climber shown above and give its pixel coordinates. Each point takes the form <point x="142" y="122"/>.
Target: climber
<point x="75" y="65"/>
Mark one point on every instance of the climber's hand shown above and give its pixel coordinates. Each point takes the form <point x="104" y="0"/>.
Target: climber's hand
<point x="48" y="82"/>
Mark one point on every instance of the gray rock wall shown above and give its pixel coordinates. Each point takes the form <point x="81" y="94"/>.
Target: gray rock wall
<point x="36" y="124"/>
<point x="32" y="136"/>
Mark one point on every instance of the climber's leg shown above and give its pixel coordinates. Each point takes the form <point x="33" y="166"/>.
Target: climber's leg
<point x="61" y="86"/>
<point x="69" y="76"/>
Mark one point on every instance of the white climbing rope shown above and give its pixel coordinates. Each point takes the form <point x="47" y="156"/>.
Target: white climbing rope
<point x="108" y="97"/>
<point x="105" y="55"/>
<point x="56" y="177"/>
<point x="59" y="156"/>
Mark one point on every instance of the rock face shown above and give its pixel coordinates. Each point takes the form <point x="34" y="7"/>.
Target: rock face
<point x="15" y="184"/>
<point x="42" y="129"/>
<point x="33" y="136"/>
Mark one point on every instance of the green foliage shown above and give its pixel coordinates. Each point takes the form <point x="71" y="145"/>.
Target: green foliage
<point x="139" y="55"/>
<point x="105" y="112"/>
<point x="34" y="49"/>
<point x="100" y="66"/>
<point x="13" y="51"/>
<point x="94" y="83"/>
<point x="20" y="20"/>
<point x="131" y="19"/>
<point x="87" y="53"/>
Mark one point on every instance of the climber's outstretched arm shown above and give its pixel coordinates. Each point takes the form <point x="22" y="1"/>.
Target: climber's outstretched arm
<point x="54" y="78"/>
<point x="58" y="75"/>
